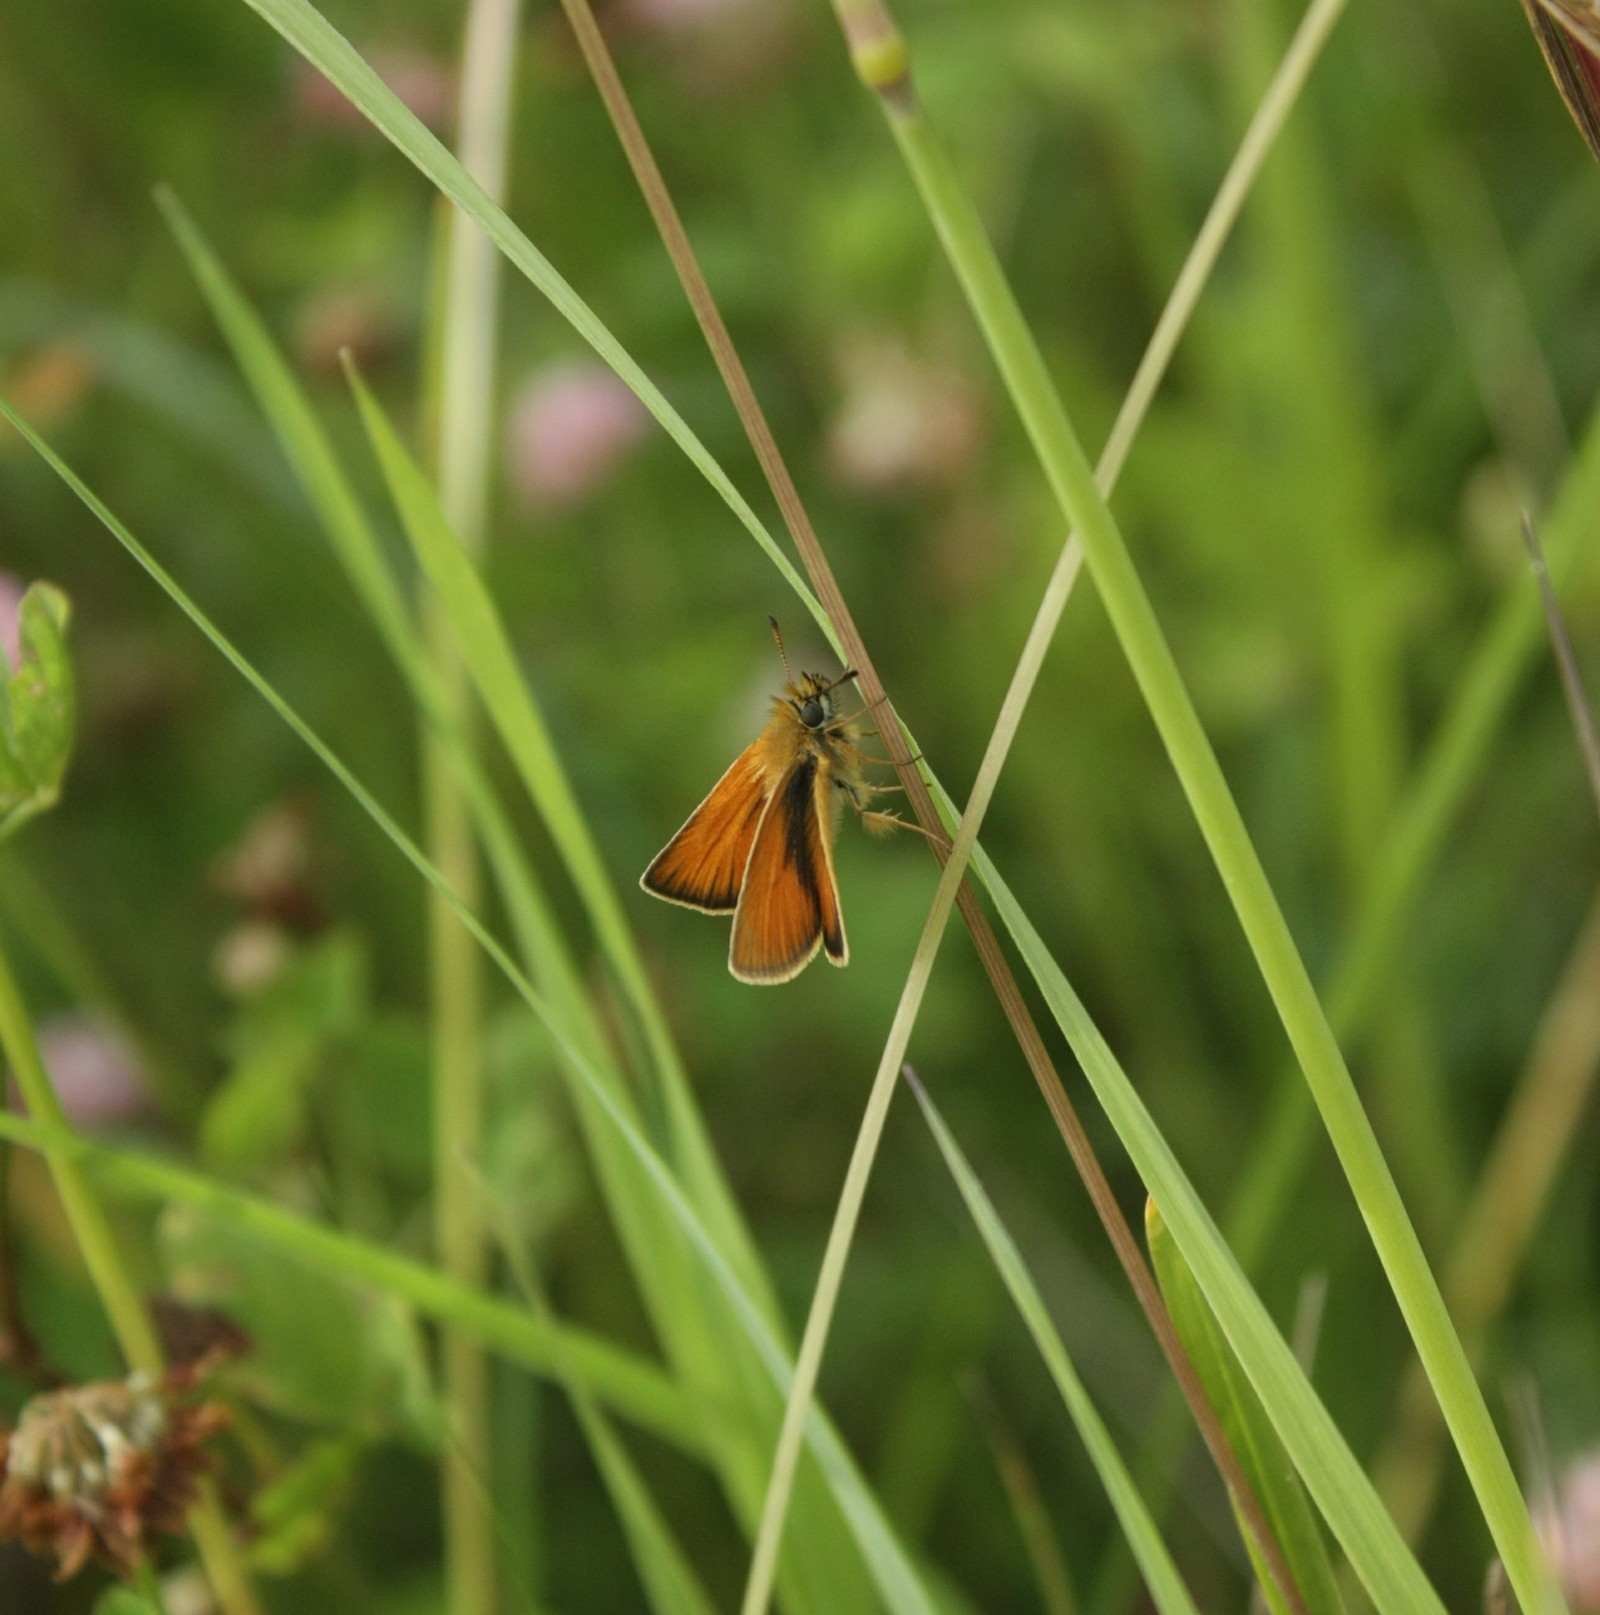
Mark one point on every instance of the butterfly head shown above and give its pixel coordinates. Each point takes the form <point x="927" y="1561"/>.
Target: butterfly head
<point x="813" y="700"/>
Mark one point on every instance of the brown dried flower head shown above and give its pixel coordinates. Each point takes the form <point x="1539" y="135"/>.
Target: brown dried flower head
<point x="95" y="1471"/>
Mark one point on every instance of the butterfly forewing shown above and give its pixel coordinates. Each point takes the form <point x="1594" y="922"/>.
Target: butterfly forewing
<point x="789" y="906"/>
<point x="703" y="865"/>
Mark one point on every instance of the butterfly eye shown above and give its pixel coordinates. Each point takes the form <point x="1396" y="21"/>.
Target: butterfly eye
<point x="811" y="713"/>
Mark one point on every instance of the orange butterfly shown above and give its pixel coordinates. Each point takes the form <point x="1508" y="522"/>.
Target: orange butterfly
<point x="761" y="844"/>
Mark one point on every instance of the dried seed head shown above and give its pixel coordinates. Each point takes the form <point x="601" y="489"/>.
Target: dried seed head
<point x="95" y="1470"/>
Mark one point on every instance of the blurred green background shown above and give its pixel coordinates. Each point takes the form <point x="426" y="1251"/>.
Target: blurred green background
<point x="1391" y="361"/>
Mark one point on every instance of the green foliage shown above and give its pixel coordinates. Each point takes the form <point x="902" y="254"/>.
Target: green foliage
<point x="285" y="1039"/>
<point x="36" y="709"/>
<point x="1250" y="1432"/>
<point x="297" y="1513"/>
<point x="1322" y="511"/>
<point x="319" y="1352"/>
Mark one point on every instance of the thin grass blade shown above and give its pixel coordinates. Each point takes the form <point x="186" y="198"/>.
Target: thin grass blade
<point x="1160" y="1574"/>
<point x="315" y="38"/>
<point x="1334" y="1479"/>
<point x="896" y="1577"/>
<point x="1253" y="1438"/>
<point x="1166" y="696"/>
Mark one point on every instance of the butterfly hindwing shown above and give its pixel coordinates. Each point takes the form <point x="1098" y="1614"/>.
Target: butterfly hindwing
<point x="789" y="904"/>
<point x="703" y="865"/>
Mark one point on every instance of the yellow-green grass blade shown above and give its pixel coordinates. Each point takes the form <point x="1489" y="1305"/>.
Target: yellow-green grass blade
<point x="1334" y="1479"/>
<point x="1166" y="696"/>
<point x="1160" y="1574"/>
<point x="703" y="1351"/>
<point x="486" y="651"/>
<point x="1250" y="1433"/>
<point x="310" y="33"/>
<point x="897" y="1579"/>
<point x="632" y="1386"/>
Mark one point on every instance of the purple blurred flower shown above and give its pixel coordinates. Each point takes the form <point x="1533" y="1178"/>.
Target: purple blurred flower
<point x="94" y="1071"/>
<point x="11" y="592"/>
<point x="571" y="426"/>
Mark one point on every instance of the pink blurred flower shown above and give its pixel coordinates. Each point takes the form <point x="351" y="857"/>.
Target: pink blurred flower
<point x="571" y="426"/>
<point x="717" y="46"/>
<point x="425" y="83"/>
<point x="1572" y="1537"/>
<point x="330" y="319"/>
<point x="11" y="592"/>
<point x="94" y="1071"/>
<point x="905" y="423"/>
<point x="48" y="384"/>
<point x="251" y="957"/>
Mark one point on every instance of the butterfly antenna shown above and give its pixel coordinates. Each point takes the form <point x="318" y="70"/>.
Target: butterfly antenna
<point x="778" y="638"/>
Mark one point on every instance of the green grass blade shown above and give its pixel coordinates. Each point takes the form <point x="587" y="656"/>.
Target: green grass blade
<point x="1480" y="699"/>
<point x="310" y="454"/>
<point x="670" y="1582"/>
<point x="194" y="396"/>
<point x="1160" y="1574"/>
<point x="1166" y="695"/>
<point x="712" y="1358"/>
<point x="893" y="1572"/>
<point x="1335" y="1480"/>
<point x="485" y="648"/>
<point x="629" y="1384"/>
<point x="310" y="33"/>
<point x="1250" y="1433"/>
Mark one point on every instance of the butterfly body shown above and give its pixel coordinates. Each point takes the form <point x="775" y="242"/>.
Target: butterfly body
<point x="761" y="844"/>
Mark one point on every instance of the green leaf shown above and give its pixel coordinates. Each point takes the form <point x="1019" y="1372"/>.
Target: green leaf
<point x="293" y="1514"/>
<point x="1261" y="1454"/>
<point x="1160" y="1574"/>
<point x="123" y="1601"/>
<point x="320" y="1351"/>
<point x="283" y="1039"/>
<point x="36" y="709"/>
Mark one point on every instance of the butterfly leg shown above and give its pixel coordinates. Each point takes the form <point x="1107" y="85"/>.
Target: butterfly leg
<point x="874" y="822"/>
